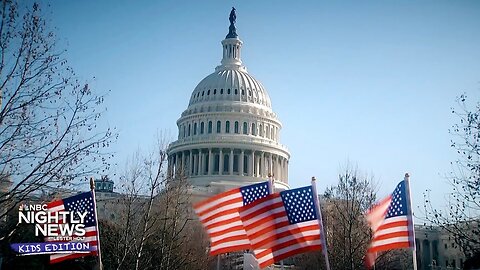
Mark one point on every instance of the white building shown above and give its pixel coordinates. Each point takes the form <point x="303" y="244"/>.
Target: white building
<point x="229" y="135"/>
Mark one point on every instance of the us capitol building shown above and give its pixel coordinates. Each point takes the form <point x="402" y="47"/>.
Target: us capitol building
<point x="229" y="135"/>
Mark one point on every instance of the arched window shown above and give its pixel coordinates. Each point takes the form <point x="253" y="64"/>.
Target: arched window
<point x="236" y="91"/>
<point x="208" y="93"/>
<point x="236" y="127"/>
<point x="227" y="127"/>
<point x="221" y="91"/>
<point x="245" y="128"/>
<point x="203" y="93"/>
<point x="195" y="129"/>
<point x="254" y="131"/>
<point x="189" y="129"/>
<point x="202" y="128"/>
<point x="210" y="127"/>
<point x="228" y="91"/>
<point x="214" y="91"/>
<point x="260" y="127"/>
<point x="184" y="131"/>
<point x="219" y="127"/>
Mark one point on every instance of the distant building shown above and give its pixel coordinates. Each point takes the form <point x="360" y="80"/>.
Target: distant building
<point x="436" y="249"/>
<point x="229" y="135"/>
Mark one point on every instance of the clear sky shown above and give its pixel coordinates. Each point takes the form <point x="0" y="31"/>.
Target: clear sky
<point x="366" y="82"/>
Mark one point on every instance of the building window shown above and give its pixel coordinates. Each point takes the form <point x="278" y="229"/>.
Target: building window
<point x="227" y="127"/>
<point x="210" y="127"/>
<point x="203" y="93"/>
<point x="202" y="128"/>
<point x="189" y="129"/>
<point x="235" y="163"/>
<point x="228" y="91"/>
<point x="214" y="91"/>
<point x="225" y="163"/>
<point x="221" y="91"/>
<point x="236" y="127"/>
<point x="195" y="129"/>
<point x="254" y="132"/>
<point x="243" y="92"/>
<point x="208" y="93"/>
<point x="260" y="127"/>
<point x="219" y="126"/>
<point x="267" y="131"/>
<point x="245" y="128"/>
<point x="184" y="131"/>
<point x="236" y="91"/>
<point x="216" y="163"/>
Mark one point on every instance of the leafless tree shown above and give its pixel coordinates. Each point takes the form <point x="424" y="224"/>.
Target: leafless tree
<point x="462" y="216"/>
<point x="48" y="118"/>
<point x="155" y="229"/>
<point x="347" y="232"/>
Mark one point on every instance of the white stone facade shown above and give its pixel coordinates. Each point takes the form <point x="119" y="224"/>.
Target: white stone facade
<point x="229" y="135"/>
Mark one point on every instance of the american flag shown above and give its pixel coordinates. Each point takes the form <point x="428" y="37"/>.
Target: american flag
<point x="82" y="202"/>
<point x="282" y="225"/>
<point x="390" y="223"/>
<point x="219" y="215"/>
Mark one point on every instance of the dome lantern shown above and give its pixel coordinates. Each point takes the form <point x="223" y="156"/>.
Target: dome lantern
<point x="231" y="47"/>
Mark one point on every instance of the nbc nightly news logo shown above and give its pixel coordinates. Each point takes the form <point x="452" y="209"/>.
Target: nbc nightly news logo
<point x="63" y="231"/>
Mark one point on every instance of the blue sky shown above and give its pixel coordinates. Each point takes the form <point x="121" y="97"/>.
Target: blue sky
<point x="366" y="82"/>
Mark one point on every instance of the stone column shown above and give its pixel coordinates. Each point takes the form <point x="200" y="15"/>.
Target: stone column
<point x="190" y="162"/>
<point x="197" y="162"/>
<point x="210" y="162"/>
<point x="262" y="169"/>
<point x="257" y="164"/>
<point x="184" y="168"/>
<point x="240" y="169"/>
<point x="230" y="168"/>
<point x="286" y="179"/>
<point x="252" y="164"/>
<point x="270" y="170"/>
<point x="279" y="169"/>
<point x="220" y="162"/>
<point x="201" y="164"/>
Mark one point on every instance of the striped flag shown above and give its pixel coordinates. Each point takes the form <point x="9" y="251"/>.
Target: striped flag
<point x="391" y="223"/>
<point x="219" y="215"/>
<point x="282" y="225"/>
<point x="82" y="202"/>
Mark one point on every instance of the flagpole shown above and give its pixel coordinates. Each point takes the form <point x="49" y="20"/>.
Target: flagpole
<point x="92" y="189"/>
<point x="271" y="183"/>
<point x="411" y="232"/>
<point x="320" y="221"/>
<point x="271" y="178"/>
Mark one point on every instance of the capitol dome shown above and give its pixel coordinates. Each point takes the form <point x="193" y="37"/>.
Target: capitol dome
<point x="229" y="136"/>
